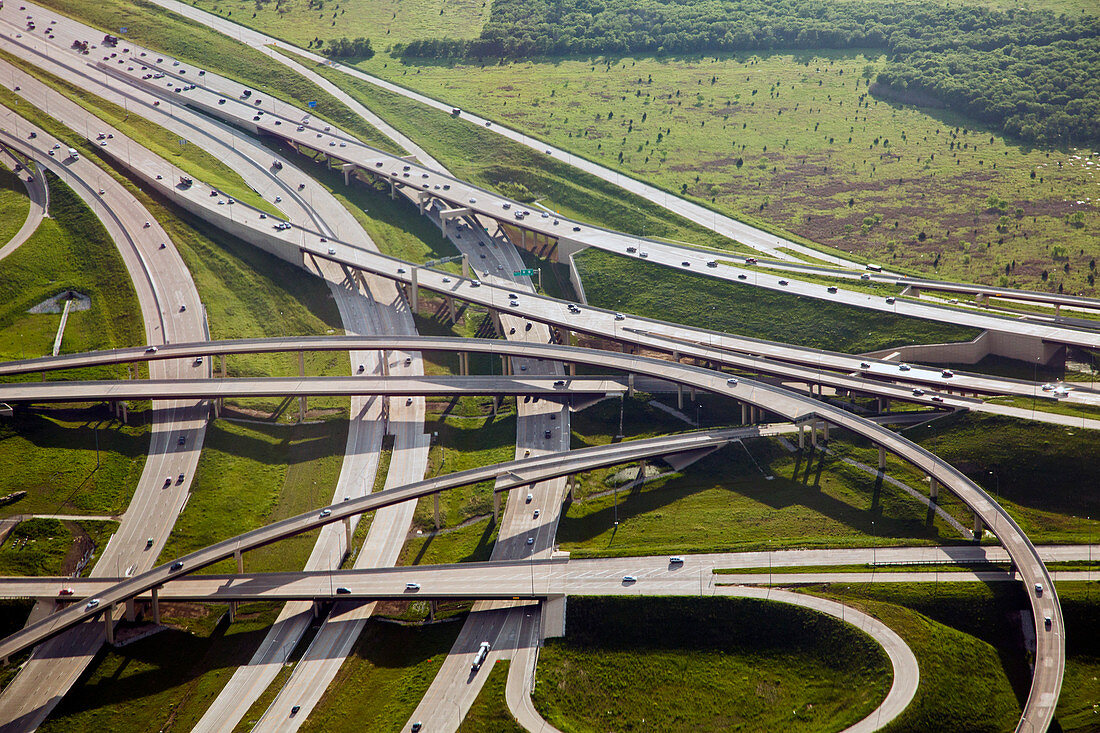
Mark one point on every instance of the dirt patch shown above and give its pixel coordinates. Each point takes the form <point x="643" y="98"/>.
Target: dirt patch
<point x="81" y="547"/>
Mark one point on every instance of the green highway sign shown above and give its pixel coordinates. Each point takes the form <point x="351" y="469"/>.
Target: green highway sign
<point x="528" y="273"/>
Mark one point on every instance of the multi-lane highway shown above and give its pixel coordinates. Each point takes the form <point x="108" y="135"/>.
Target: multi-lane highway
<point x="1049" y="627"/>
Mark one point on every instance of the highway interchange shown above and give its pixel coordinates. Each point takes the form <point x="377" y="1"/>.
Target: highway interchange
<point x="320" y="239"/>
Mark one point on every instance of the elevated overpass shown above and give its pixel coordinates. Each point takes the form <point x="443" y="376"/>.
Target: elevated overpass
<point x="1048" y="621"/>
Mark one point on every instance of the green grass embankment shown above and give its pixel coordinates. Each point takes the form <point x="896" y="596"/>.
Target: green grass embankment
<point x="14" y="204"/>
<point x="396" y="664"/>
<point x="489" y="713"/>
<point x="687" y="664"/>
<point x="51" y="546"/>
<point x="250" y="475"/>
<point x="658" y="292"/>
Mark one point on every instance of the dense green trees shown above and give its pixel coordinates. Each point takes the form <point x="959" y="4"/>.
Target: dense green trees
<point x="358" y="48"/>
<point x="1033" y="74"/>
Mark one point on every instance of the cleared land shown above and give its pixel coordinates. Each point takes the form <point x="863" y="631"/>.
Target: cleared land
<point x="809" y="672"/>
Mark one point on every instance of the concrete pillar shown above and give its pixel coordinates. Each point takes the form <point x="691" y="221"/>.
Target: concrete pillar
<point x="572" y="369"/>
<point x="240" y="561"/>
<point x="463" y="363"/>
<point x="825" y="430"/>
<point x="414" y="293"/>
<point x="693" y="394"/>
<point x="435" y="498"/>
<point x="156" y="605"/>
<point x="1057" y="311"/>
<point x="393" y="189"/>
<point x="933" y="488"/>
<point x="109" y="623"/>
<point x="347" y="533"/>
<point x="431" y="611"/>
<point x="301" y="398"/>
<point x="131" y="612"/>
<point x="679" y="396"/>
<point x="224" y="359"/>
<point x="813" y="434"/>
<point x="881" y="458"/>
<point x="744" y="414"/>
<point x="553" y="616"/>
<point x="232" y="611"/>
<point x="465" y="265"/>
<point x="630" y="385"/>
<point x="523" y="238"/>
<point x="347" y="168"/>
<point x="124" y="411"/>
<point x="451" y="308"/>
<point x="505" y="366"/>
<point x="979" y="527"/>
<point x="676" y="356"/>
<point x="802" y="436"/>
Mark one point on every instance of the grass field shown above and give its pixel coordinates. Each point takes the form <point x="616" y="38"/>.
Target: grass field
<point x="52" y="547"/>
<point x="70" y="250"/>
<point x="14" y="204"/>
<point x="165" y="681"/>
<point x="396" y="664"/>
<point x="1077" y="706"/>
<point x="726" y="502"/>
<point x="967" y="642"/>
<point x="823" y="158"/>
<point x="627" y="664"/>
<point x="489" y="713"/>
<point x="654" y="291"/>
<point x="252" y="475"/>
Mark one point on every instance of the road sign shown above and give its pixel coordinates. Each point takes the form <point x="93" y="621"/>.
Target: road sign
<point x="312" y="105"/>
<point x="525" y="273"/>
<point x="123" y="30"/>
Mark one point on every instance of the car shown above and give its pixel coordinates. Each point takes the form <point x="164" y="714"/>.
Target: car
<point x="643" y="254"/>
<point x="182" y="440"/>
<point x="294" y="710"/>
<point x="1038" y="589"/>
<point x="362" y="368"/>
<point x="511" y="331"/>
<point x="408" y="360"/>
<point x="620" y="317"/>
<point x="891" y="300"/>
<point x="546" y="435"/>
<point x="408" y="401"/>
<point x="182" y="307"/>
<point x="400" y="270"/>
<point x="473" y="201"/>
<point x="177" y="565"/>
<point x="412" y="586"/>
<point x="263" y="216"/>
<point x="1048" y="387"/>
<point x="529" y="326"/>
<point x="712" y="263"/>
<point x="865" y="276"/>
<point x="732" y="381"/>
<point x="947" y="374"/>
<point x="148" y="543"/>
<point x="1047" y="622"/>
<point x="917" y="391"/>
<point x="783" y="282"/>
<point x="903" y="367"/>
<point x="198" y="361"/>
<point x="506" y="205"/>
<point x="576" y="229"/>
<point x="167" y="480"/>
<point x="95" y="602"/>
<point x="179" y="479"/>
<point x="631" y="250"/>
<point x="529" y="498"/>
<point x="332" y="250"/>
<point x="742" y="276"/>
<point x="523" y="367"/>
<point x="418" y="726"/>
<point x="685" y="263"/>
<point x="676" y="560"/>
<point x="65" y="592"/>
<point x="832" y="288"/>
<point x="325" y="512"/>
<point x="536" y="514"/>
<point x="530" y="540"/>
<point x="446" y="279"/>
<point x="629" y="579"/>
<point x="937" y="398"/>
<point x="342" y="591"/>
<point x="151" y="350"/>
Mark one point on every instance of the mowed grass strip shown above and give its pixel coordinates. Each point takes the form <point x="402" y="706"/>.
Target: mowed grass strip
<point x="489" y="713"/>
<point x="396" y="664"/>
<point x="250" y="475"/>
<point x="687" y="664"/>
<point x="662" y="293"/>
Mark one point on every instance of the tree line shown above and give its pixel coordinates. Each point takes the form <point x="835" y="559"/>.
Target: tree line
<point x="1034" y="74"/>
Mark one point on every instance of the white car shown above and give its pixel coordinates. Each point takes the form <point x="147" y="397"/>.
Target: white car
<point x="629" y="579"/>
<point x="529" y="498"/>
<point x="412" y="586"/>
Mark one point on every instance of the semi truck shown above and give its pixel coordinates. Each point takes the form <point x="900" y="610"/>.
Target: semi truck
<point x="479" y="658"/>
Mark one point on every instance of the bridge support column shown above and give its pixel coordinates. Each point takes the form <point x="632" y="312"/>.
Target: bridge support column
<point x="825" y="430"/>
<point x="348" y="168"/>
<point x="464" y="363"/>
<point x="232" y="611"/>
<point x="302" y="398"/>
<point x="801" y="437"/>
<point x="979" y="527"/>
<point x="465" y="265"/>
<point x="813" y="434"/>
<point x="505" y="366"/>
<point x="451" y="308"/>
<point x="156" y="605"/>
<point x="347" y="534"/>
<point x="522" y="238"/>
<point x="1057" y="311"/>
<point x="572" y="369"/>
<point x="224" y="359"/>
<point x="123" y="411"/>
<point x="881" y="458"/>
<point x="676" y="356"/>
<point x="393" y="189"/>
<point x="692" y="394"/>
<point x="414" y="292"/>
<point x="629" y="384"/>
<point x="131" y="612"/>
<point x="679" y="396"/>
<point x="109" y="623"/>
<point x="933" y="489"/>
<point x="240" y="561"/>
<point x="744" y="414"/>
<point x="435" y="500"/>
<point x="553" y="616"/>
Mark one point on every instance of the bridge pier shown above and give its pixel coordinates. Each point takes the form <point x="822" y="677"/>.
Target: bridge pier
<point x="435" y="498"/>
<point x="745" y="415"/>
<point x="825" y="430"/>
<point x="224" y="359"/>
<point x="240" y="561"/>
<point x="451" y="308"/>
<point x="881" y="458"/>
<point x="464" y="363"/>
<point x="131" y="612"/>
<point x="156" y="605"/>
<point x="813" y="434"/>
<point x="629" y="384"/>
<point x="414" y="292"/>
<point x="109" y="623"/>
<point x="679" y="396"/>
<point x="393" y="189"/>
<point x="979" y="527"/>
<point x="347" y="535"/>
<point x="348" y="169"/>
<point x="496" y="506"/>
<point x="572" y="369"/>
<point x="933" y="489"/>
<point x="465" y="265"/>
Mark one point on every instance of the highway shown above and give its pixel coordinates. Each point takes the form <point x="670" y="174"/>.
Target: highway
<point x="401" y="386"/>
<point x="1050" y="652"/>
<point x="37" y="195"/>
<point x="152" y="511"/>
